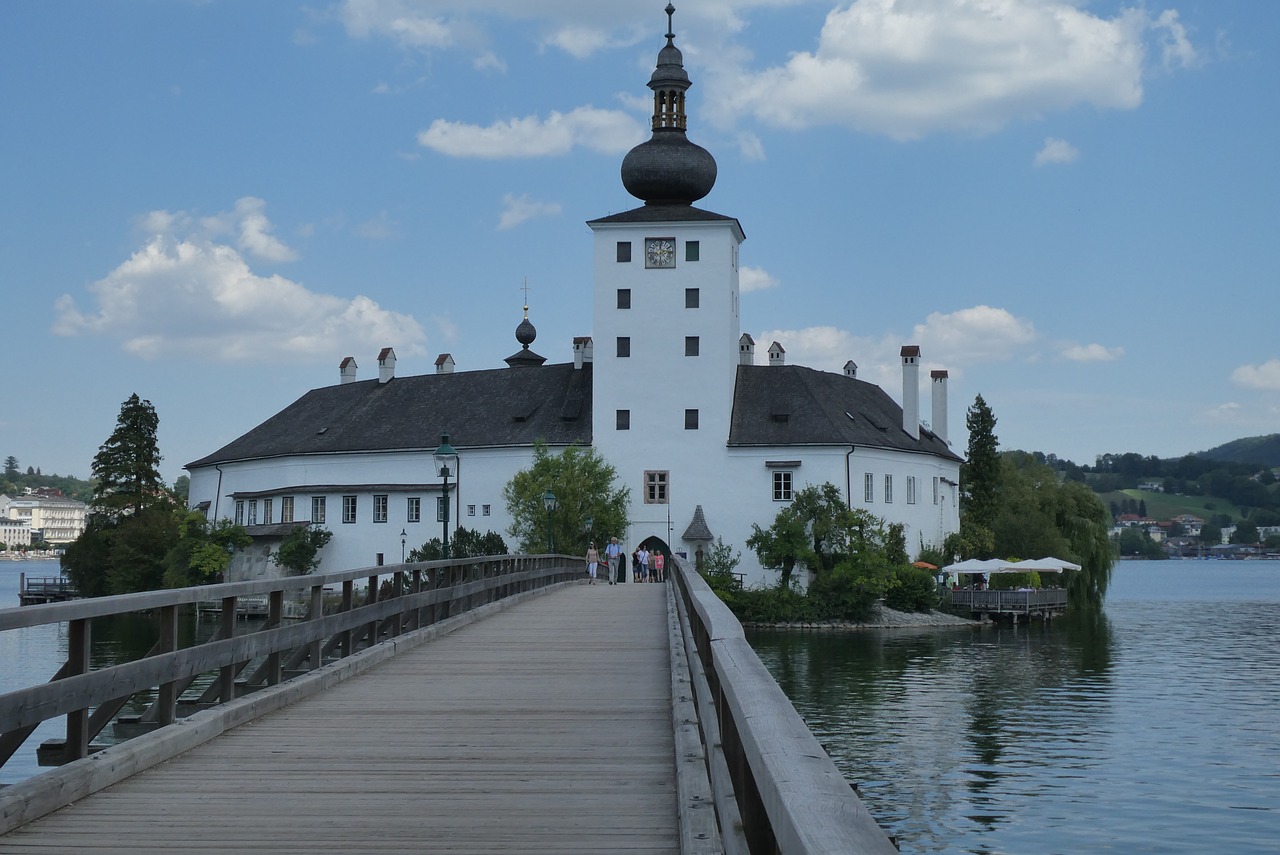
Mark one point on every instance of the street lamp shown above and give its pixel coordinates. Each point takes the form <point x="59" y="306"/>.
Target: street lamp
<point x="404" y="535"/>
<point x="549" y="502"/>
<point x="446" y="464"/>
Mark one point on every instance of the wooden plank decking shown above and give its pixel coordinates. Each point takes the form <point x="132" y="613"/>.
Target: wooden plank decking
<point x="546" y="728"/>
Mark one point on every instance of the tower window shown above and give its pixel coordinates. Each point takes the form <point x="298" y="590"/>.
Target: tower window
<point x="691" y="298"/>
<point x="655" y="488"/>
<point x="691" y="250"/>
<point x="691" y="345"/>
<point x="624" y="251"/>
<point x="623" y="420"/>
<point x="690" y="419"/>
<point x="624" y="346"/>
<point x="624" y="298"/>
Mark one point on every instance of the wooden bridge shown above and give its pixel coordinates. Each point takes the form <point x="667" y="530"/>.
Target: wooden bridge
<point x="482" y="705"/>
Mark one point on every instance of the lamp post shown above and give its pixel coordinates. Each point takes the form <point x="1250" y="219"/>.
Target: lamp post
<point x="446" y="464"/>
<point x="404" y="535"/>
<point x="549" y="502"/>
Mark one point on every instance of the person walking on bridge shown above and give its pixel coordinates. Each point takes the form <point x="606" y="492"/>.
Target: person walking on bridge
<point x="593" y="563"/>
<point x="612" y="556"/>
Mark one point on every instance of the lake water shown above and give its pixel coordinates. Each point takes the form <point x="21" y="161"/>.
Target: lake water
<point x="1155" y="730"/>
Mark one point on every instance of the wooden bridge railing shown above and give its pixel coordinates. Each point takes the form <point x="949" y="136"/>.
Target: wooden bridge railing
<point x="395" y="600"/>
<point x="776" y="790"/>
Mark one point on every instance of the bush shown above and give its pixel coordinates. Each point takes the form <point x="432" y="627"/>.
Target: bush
<point x="771" y="605"/>
<point x="911" y="589"/>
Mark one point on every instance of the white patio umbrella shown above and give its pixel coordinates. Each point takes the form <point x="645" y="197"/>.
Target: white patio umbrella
<point x="976" y="565"/>
<point x="1046" y="565"/>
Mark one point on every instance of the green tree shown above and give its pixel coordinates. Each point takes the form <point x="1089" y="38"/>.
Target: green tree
<point x="1211" y="534"/>
<point x="980" y="473"/>
<point x="10" y="468"/>
<point x="182" y="489"/>
<point x="1246" y="533"/>
<point x="203" y="551"/>
<point x="719" y="562"/>
<point x="584" y="486"/>
<point x="126" y="469"/>
<point x="815" y="532"/>
<point x="463" y="543"/>
<point x="300" y="549"/>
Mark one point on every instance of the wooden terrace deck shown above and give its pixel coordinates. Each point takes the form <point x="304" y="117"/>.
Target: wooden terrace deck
<point x="545" y="728"/>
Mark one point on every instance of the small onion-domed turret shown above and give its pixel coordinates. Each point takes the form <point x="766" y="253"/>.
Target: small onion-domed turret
<point x="667" y="169"/>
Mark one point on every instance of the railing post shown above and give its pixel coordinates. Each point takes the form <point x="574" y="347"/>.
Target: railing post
<point x="348" y="603"/>
<point x="275" y="616"/>
<point x="167" y="700"/>
<point x="227" y="673"/>
<point x="370" y="598"/>
<point x="316" y="654"/>
<point x="397" y="620"/>
<point x="77" y="745"/>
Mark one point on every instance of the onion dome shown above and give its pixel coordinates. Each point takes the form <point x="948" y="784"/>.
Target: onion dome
<point x="667" y="169"/>
<point x="525" y="334"/>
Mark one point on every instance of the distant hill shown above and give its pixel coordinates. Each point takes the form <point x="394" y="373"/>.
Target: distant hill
<point x="1259" y="450"/>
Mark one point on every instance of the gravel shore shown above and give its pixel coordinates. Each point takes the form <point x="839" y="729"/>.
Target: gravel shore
<point x="883" y="618"/>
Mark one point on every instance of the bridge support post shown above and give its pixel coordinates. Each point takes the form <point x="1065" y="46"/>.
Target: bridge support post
<point x="167" y="700"/>
<point x="227" y="673"/>
<point x="77" y="745"/>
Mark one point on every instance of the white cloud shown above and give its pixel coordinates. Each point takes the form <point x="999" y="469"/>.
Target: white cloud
<point x="1176" y="50"/>
<point x="974" y="335"/>
<point x="1056" y="151"/>
<point x="755" y="279"/>
<point x="907" y="69"/>
<point x="606" y="131"/>
<point x="750" y="146"/>
<point x="518" y="209"/>
<point x="182" y="295"/>
<point x="381" y="227"/>
<point x="1092" y="353"/>
<point x="247" y="222"/>
<point x="1265" y="376"/>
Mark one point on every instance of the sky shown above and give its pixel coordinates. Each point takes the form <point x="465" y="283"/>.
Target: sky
<point x="1071" y="206"/>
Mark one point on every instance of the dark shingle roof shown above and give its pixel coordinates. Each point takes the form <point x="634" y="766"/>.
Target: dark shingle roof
<point x="667" y="214"/>
<point x="794" y="405"/>
<point x="495" y="407"/>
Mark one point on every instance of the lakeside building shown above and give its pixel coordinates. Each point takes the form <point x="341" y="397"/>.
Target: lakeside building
<point x="47" y="514"/>
<point x="666" y="389"/>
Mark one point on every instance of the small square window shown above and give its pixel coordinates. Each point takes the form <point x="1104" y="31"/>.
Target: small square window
<point x="691" y="298"/>
<point x="690" y="419"/>
<point x="471" y="510"/>
<point x="691" y="250"/>
<point x="691" y="345"/>
<point x="624" y="346"/>
<point x="624" y="251"/>
<point x="624" y="420"/>
<point x="486" y="509"/>
<point x="624" y="298"/>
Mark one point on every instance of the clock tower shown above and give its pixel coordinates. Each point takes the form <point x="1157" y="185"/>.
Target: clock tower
<point x="665" y="322"/>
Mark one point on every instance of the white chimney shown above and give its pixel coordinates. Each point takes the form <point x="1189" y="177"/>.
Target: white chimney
<point x="347" y="370"/>
<point x="444" y="363"/>
<point x="386" y="365"/>
<point x="911" y="390"/>
<point x="746" y="350"/>
<point x="777" y="356"/>
<point x="582" y="349"/>
<point x="851" y="369"/>
<point x="939" y="418"/>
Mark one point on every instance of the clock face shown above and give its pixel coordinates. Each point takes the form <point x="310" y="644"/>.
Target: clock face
<point x="659" y="252"/>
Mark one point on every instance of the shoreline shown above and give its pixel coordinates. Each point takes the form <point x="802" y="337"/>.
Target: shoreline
<point x="883" y="618"/>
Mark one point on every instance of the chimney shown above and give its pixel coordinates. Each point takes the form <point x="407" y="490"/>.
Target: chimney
<point x="444" y="363"/>
<point x="746" y="350"/>
<point x="851" y="369"/>
<point x="939" y="417"/>
<point x="347" y="370"/>
<point x="911" y="390"/>
<point x="386" y="365"/>
<point x="777" y="356"/>
<point x="581" y="351"/>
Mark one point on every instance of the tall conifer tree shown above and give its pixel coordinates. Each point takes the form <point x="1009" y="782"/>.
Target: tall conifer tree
<point x="980" y="473"/>
<point x="126" y="469"/>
